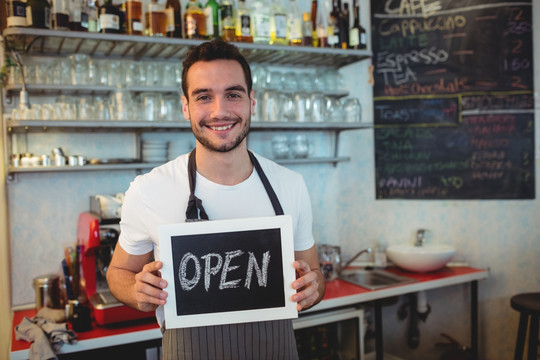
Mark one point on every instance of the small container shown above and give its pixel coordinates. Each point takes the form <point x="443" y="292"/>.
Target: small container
<point x="79" y="316"/>
<point x="47" y="289"/>
<point x="15" y="160"/>
<point x="45" y="160"/>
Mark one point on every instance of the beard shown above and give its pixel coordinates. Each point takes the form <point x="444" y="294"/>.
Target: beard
<point x="223" y="147"/>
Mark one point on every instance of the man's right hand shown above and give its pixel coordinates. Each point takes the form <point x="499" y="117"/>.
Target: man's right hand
<point x="149" y="287"/>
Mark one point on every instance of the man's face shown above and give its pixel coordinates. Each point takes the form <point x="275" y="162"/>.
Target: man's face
<point x="219" y="106"/>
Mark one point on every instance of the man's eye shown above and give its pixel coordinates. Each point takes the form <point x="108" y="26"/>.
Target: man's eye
<point x="234" y="95"/>
<point x="203" y="98"/>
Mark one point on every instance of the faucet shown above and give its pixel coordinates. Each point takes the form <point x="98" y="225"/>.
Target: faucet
<point x="368" y="250"/>
<point x="420" y="237"/>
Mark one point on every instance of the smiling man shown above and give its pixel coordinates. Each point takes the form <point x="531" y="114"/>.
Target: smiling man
<point x="219" y="179"/>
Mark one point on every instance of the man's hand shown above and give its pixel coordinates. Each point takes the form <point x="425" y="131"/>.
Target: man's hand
<point x="306" y="284"/>
<point x="149" y="287"/>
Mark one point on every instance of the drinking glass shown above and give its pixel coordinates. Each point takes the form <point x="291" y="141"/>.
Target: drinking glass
<point x="150" y="106"/>
<point x="300" y="146"/>
<point x="79" y="69"/>
<point x="303" y="107"/>
<point x="122" y="104"/>
<point x="287" y="107"/>
<point x="86" y="109"/>
<point x="116" y="72"/>
<point x="170" y="108"/>
<point x="289" y="81"/>
<point x="132" y="72"/>
<point x="317" y="107"/>
<point x="167" y="69"/>
<point x="334" y="110"/>
<point x="352" y="109"/>
<point x="271" y="106"/>
<point x="259" y="75"/>
<point x="280" y="147"/>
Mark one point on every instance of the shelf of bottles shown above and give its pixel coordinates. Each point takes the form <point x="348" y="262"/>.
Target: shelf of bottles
<point x="55" y="42"/>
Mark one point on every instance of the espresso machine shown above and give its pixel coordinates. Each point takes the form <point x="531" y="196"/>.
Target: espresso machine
<point x="96" y="238"/>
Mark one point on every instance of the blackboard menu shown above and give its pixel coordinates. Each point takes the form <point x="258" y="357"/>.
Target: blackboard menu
<point x="453" y="99"/>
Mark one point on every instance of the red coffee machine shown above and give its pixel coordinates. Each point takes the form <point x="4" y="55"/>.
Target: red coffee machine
<point x="97" y="238"/>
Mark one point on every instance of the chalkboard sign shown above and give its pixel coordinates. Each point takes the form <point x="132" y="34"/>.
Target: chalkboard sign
<point x="228" y="271"/>
<point x="453" y="99"/>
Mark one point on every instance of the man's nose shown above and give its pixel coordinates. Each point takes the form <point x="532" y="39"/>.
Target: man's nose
<point x="220" y="108"/>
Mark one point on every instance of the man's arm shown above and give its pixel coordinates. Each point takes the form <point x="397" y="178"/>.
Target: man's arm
<point x="136" y="281"/>
<point x="309" y="282"/>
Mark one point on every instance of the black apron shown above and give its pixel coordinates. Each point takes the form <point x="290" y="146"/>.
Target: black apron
<point x="254" y="340"/>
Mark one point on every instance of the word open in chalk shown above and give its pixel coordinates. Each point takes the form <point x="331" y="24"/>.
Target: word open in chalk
<point x="228" y="271"/>
<point x="225" y="266"/>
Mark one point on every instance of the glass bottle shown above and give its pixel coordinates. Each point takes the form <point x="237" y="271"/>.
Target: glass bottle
<point x="307" y="30"/>
<point x="38" y="14"/>
<point x="156" y="19"/>
<point x="92" y="15"/>
<point x="228" y="25"/>
<point x="261" y="23"/>
<point x="109" y="18"/>
<point x="75" y="15"/>
<point x="323" y="11"/>
<point x="134" y="24"/>
<point x="294" y="24"/>
<point x="194" y="21"/>
<point x="211" y="13"/>
<point x="244" y="32"/>
<point x="345" y="25"/>
<point x="174" y="19"/>
<point x="334" y="26"/>
<point x="314" y="38"/>
<point x="16" y="13"/>
<point x="357" y="33"/>
<point x="60" y="15"/>
<point x="278" y="24"/>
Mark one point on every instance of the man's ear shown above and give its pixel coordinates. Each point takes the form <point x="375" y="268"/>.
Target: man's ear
<point x="185" y="109"/>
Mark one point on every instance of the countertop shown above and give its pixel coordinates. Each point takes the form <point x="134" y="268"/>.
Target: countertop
<point x="338" y="293"/>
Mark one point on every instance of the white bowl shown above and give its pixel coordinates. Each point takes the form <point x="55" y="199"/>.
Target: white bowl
<point x="420" y="258"/>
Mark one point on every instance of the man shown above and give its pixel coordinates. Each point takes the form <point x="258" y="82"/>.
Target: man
<point x="231" y="183"/>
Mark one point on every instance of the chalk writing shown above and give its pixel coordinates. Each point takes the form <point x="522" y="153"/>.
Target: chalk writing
<point x="225" y="267"/>
<point x="453" y="99"/>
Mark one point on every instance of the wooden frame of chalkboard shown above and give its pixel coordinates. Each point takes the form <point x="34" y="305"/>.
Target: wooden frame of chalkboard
<point x="228" y="271"/>
<point x="453" y="99"/>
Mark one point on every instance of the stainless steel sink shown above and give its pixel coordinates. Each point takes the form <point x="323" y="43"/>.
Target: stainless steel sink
<point x="374" y="279"/>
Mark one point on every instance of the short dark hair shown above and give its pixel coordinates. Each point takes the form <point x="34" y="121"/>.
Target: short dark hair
<point x="215" y="50"/>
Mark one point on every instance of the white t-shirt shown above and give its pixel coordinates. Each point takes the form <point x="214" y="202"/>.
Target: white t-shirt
<point x="161" y="196"/>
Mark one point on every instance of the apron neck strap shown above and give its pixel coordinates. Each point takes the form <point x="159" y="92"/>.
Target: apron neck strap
<point x="195" y="210"/>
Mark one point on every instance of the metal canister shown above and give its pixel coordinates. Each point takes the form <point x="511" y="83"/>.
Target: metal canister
<point x="47" y="289"/>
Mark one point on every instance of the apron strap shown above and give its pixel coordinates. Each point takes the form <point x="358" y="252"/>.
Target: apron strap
<point x="268" y="187"/>
<point x="195" y="210"/>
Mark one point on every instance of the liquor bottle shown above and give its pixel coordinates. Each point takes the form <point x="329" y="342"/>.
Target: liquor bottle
<point x="16" y="13"/>
<point x="228" y="24"/>
<point x="307" y="30"/>
<point x="194" y="21"/>
<point x="357" y="33"/>
<point x="75" y="15"/>
<point x="315" y="40"/>
<point x="211" y="13"/>
<point x="244" y="32"/>
<point x="261" y="23"/>
<point x="334" y="26"/>
<point x="278" y="24"/>
<point x="134" y="24"/>
<point x="174" y="19"/>
<point x="346" y="24"/>
<point x="155" y="19"/>
<point x="109" y="18"/>
<point x="38" y="14"/>
<point x="294" y="24"/>
<point x="323" y="10"/>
